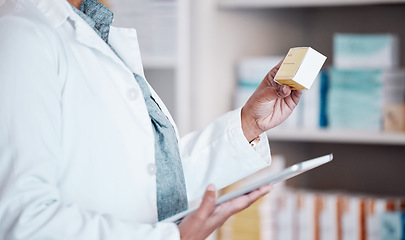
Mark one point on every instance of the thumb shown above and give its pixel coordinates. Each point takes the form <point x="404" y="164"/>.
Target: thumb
<point x="271" y="90"/>
<point x="207" y="205"/>
<point x="282" y="91"/>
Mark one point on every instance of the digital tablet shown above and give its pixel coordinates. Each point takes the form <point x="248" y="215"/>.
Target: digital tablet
<point x="260" y="180"/>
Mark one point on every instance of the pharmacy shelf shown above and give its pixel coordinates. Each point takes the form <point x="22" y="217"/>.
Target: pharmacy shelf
<point x="150" y="62"/>
<point x="334" y="136"/>
<point x="300" y="3"/>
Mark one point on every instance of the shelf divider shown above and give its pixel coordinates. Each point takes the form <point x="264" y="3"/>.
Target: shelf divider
<point x="300" y="3"/>
<point x="336" y="136"/>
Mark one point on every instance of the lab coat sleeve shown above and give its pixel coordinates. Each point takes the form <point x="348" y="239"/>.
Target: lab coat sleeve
<point x="220" y="154"/>
<point x="31" y="206"/>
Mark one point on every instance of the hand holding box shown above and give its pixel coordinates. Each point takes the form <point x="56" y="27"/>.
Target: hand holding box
<point x="300" y="68"/>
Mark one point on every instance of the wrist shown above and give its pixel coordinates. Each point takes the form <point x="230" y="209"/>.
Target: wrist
<point x="249" y="127"/>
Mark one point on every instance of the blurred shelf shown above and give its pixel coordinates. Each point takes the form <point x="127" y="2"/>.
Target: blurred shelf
<point x="300" y="3"/>
<point x="335" y="136"/>
<point x="159" y="62"/>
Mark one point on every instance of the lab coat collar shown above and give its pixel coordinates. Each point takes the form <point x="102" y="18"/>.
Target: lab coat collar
<point x="60" y="11"/>
<point x="124" y="41"/>
<point x="57" y="11"/>
<point x="87" y="36"/>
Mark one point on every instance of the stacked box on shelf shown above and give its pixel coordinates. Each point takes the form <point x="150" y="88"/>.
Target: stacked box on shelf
<point x="393" y="226"/>
<point x="285" y="217"/>
<point x="329" y="211"/>
<point x="288" y="213"/>
<point x="392" y="223"/>
<point x="375" y="208"/>
<point x="365" y="51"/>
<point x="307" y="115"/>
<point x="394" y="99"/>
<point x="307" y="215"/>
<point x="355" y="97"/>
<point x="309" y="106"/>
<point x="323" y="95"/>
<point x="316" y="215"/>
<point x="268" y="208"/>
<point x="353" y="218"/>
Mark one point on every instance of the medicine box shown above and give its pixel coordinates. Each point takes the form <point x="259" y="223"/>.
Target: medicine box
<point x="392" y="225"/>
<point x="365" y="51"/>
<point x="300" y="68"/>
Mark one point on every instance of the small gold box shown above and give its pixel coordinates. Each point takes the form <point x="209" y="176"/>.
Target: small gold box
<point x="300" y="68"/>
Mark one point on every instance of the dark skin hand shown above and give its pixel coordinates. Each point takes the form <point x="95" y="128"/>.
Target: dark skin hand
<point x="268" y="106"/>
<point x="208" y="217"/>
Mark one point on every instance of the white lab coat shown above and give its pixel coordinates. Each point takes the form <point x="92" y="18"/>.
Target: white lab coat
<point x="76" y="142"/>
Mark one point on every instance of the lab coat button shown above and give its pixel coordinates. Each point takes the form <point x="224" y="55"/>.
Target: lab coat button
<point x="132" y="94"/>
<point x="152" y="169"/>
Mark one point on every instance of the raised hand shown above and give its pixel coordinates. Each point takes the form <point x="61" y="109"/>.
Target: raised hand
<point x="268" y="106"/>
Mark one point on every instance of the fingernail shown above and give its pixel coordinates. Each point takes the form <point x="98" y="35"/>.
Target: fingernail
<point x="211" y="188"/>
<point x="285" y="89"/>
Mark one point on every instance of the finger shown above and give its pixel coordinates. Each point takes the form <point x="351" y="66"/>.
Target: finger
<point x="296" y="95"/>
<point x="266" y="188"/>
<point x="207" y="205"/>
<point x="240" y="203"/>
<point x="256" y="194"/>
<point x="283" y="91"/>
<point x="274" y="70"/>
<point x="276" y="91"/>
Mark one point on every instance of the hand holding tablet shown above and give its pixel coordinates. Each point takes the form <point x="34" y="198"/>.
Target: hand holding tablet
<point x="261" y="180"/>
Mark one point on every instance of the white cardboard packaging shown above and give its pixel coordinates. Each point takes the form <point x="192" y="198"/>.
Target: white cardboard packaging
<point x="352" y="218"/>
<point x="285" y="219"/>
<point x="307" y="215"/>
<point x="375" y="208"/>
<point x="300" y="68"/>
<point x="329" y="217"/>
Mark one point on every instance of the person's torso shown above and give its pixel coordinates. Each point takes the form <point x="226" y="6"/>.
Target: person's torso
<point x="107" y="163"/>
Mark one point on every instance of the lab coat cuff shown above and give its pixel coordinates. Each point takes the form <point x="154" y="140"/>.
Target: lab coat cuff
<point x="258" y="155"/>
